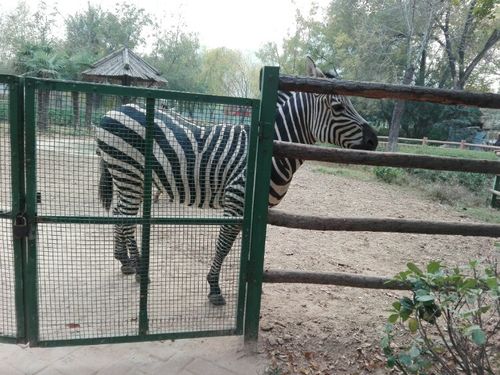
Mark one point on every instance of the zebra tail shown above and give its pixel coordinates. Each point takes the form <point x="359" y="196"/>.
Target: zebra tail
<point x="105" y="186"/>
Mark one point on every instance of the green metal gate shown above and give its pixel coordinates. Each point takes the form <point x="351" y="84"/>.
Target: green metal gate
<point x="60" y="284"/>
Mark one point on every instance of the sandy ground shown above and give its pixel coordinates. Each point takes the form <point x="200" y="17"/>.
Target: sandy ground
<point x="317" y="329"/>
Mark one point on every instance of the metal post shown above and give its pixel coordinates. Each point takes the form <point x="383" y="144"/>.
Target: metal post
<point x="30" y="272"/>
<point x="269" y="90"/>
<point x="16" y="121"/>
<point x="146" y="209"/>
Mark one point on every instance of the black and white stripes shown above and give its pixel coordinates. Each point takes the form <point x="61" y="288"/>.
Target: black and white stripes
<point x="205" y="166"/>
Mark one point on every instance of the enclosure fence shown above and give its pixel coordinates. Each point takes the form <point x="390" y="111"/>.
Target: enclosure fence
<point x="66" y="256"/>
<point x="59" y="281"/>
<point x="342" y="156"/>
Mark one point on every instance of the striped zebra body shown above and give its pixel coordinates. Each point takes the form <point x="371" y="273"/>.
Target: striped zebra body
<point x="196" y="166"/>
<point x="205" y="166"/>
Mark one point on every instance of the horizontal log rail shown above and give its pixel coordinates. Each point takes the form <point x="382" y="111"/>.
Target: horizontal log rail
<point x="330" y="278"/>
<point x="382" y="90"/>
<point x="357" y="224"/>
<point x="388" y="159"/>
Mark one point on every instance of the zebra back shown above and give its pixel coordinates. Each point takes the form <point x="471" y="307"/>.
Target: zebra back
<point x="195" y="165"/>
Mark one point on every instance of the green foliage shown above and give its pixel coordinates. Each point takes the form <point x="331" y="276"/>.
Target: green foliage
<point x="98" y="32"/>
<point x="437" y="121"/>
<point x="471" y="181"/>
<point x="446" y="152"/>
<point x="390" y="175"/>
<point x="449" y="325"/>
<point x="177" y="54"/>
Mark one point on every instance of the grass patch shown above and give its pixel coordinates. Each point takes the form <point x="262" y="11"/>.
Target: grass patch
<point x="486" y="214"/>
<point x="360" y="173"/>
<point x="446" y="152"/>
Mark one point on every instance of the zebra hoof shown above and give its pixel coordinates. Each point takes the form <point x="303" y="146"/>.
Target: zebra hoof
<point x="128" y="270"/>
<point x="216" y="299"/>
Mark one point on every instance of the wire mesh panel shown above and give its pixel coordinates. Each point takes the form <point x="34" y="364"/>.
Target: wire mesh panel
<point x="7" y="276"/>
<point x="81" y="292"/>
<point x="179" y="261"/>
<point x="132" y="194"/>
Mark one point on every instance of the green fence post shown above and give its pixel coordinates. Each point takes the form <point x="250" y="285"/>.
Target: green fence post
<point x="16" y="120"/>
<point x="146" y="212"/>
<point x="30" y="270"/>
<point x="269" y="94"/>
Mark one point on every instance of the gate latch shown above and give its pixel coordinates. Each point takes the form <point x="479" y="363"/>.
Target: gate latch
<point x="20" y="227"/>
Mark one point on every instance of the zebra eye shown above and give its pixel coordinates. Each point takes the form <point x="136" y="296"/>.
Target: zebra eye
<point x="338" y="107"/>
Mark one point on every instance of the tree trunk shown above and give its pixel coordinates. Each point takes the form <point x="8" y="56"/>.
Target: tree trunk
<point x="76" y="108"/>
<point x="397" y="114"/>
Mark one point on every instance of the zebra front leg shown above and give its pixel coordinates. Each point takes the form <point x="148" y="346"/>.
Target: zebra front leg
<point x="227" y="235"/>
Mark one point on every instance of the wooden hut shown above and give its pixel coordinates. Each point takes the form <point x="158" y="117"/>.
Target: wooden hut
<point x="124" y="67"/>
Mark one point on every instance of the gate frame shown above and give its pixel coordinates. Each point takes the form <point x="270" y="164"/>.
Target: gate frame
<point x="22" y="117"/>
<point x="15" y="123"/>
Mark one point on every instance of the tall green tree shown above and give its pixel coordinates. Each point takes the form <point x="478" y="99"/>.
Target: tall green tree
<point x="100" y="32"/>
<point x="228" y="72"/>
<point x="43" y="61"/>
<point x="470" y="32"/>
<point x="178" y="55"/>
<point x="23" y="26"/>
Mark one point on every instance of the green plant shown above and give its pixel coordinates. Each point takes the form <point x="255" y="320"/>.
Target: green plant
<point x="390" y="175"/>
<point x="451" y="325"/>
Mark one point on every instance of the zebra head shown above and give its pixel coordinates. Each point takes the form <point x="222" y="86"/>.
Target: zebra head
<point x="336" y="121"/>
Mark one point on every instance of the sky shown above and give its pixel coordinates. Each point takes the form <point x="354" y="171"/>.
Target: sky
<point x="238" y="24"/>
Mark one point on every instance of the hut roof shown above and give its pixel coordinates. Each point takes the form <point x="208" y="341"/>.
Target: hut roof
<point x="125" y="67"/>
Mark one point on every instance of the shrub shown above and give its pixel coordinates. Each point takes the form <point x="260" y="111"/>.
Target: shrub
<point x="450" y="325"/>
<point x="390" y="175"/>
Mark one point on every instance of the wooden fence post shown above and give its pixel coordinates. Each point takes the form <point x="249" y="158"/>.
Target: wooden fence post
<point x="425" y="141"/>
<point x="462" y="144"/>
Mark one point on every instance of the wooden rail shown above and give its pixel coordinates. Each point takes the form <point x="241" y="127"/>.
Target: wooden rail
<point x="330" y="278"/>
<point x="381" y="90"/>
<point x="388" y="159"/>
<point x="362" y="224"/>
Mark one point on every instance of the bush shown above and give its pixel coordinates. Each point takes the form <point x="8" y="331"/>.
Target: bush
<point x="450" y="325"/>
<point x="471" y="181"/>
<point x="390" y="175"/>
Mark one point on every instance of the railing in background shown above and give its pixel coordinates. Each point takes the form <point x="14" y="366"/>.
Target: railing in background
<point x="426" y="142"/>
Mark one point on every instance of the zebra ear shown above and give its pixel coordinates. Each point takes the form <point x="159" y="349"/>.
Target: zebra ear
<point x="312" y="70"/>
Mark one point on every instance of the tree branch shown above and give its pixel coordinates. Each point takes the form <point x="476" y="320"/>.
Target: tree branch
<point x="492" y="40"/>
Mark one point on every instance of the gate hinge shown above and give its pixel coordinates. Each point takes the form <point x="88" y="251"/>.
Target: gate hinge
<point x="20" y="227"/>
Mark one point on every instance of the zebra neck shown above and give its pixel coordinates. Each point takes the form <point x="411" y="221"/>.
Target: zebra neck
<point x="293" y="115"/>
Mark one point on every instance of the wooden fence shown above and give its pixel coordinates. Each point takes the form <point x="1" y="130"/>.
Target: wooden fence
<point x="426" y="141"/>
<point x="373" y="90"/>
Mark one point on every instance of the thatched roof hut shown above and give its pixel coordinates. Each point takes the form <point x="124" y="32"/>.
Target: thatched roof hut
<point x="124" y="67"/>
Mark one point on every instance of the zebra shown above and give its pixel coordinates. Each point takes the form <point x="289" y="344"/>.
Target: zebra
<point x="206" y="166"/>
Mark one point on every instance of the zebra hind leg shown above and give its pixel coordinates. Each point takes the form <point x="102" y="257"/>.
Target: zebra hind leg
<point x="121" y="251"/>
<point x="227" y="235"/>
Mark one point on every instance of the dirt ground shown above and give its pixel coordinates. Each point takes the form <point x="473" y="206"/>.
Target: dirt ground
<point x="305" y="329"/>
<point x="317" y="329"/>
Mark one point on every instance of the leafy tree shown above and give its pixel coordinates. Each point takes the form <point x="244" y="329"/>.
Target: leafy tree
<point x="22" y="26"/>
<point x="470" y="31"/>
<point x="100" y="32"/>
<point x="43" y="61"/>
<point x="308" y="39"/>
<point x="178" y="56"/>
<point x="228" y="72"/>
